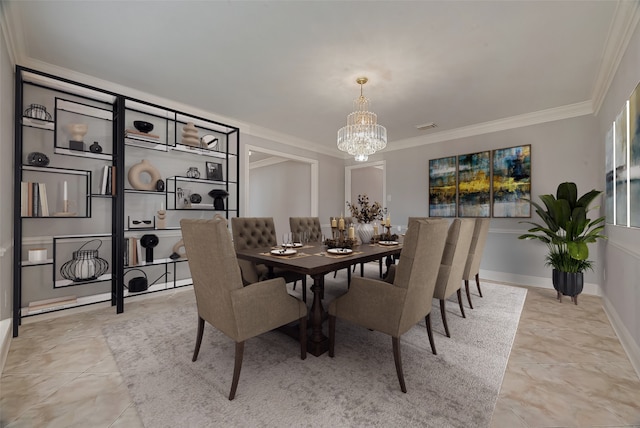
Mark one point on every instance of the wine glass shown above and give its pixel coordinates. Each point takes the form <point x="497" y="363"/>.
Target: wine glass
<point x="286" y="240"/>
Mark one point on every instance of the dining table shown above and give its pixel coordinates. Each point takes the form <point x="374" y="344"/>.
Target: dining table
<point x="316" y="260"/>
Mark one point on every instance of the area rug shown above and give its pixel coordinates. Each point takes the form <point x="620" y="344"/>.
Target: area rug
<point x="358" y="388"/>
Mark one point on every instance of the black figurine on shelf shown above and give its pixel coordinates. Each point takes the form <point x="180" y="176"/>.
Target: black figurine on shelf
<point x="218" y="196"/>
<point x="95" y="147"/>
<point x="148" y="242"/>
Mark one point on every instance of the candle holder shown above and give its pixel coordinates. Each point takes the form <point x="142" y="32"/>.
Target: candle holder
<point x="339" y="239"/>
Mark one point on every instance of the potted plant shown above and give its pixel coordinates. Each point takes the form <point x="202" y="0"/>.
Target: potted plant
<point x="567" y="231"/>
<point x="364" y="213"/>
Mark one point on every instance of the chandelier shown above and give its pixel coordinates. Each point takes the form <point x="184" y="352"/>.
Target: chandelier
<point x="362" y="136"/>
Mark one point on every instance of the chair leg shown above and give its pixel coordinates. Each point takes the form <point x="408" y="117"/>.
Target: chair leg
<point x="304" y="289"/>
<point x="294" y="284"/>
<point x="236" y="369"/>
<point x="444" y="318"/>
<point x="380" y="266"/>
<point x="427" y="320"/>
<point x="303" y="337"/>
<point x="198" y="338"/>
<point x="459" y="293"/>
<point x="478" y="284"/>
<point x="466" y="286"/>
<point x="398" y="360"/>
<point x="332" y="335"/>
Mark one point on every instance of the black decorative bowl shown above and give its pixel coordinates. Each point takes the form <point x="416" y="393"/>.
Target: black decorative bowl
<point x="143" y="126"/>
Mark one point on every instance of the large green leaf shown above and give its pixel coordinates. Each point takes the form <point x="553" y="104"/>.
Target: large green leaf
<point x="578" y="250"/>
<point x="544" y="215"/>
<point x="562" y="213"/>
<point x="580" y="220"/>
<point x="586" y="199"/>
<point x="569" y="192"/>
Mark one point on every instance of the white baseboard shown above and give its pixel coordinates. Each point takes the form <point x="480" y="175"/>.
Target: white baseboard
<point x="5" y="340"/>
<point x="534" y="281"/>
<point x="630" y="346"/>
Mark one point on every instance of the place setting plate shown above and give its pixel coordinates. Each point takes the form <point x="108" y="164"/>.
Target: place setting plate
<point x="341" y="251"/>
<point x="388" y="243"/>
<point x="293" y="245"/>
<point x="284" y="252"/>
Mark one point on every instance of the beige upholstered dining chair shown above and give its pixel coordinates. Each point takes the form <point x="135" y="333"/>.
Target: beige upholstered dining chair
<point x="452" y="265"/>
<point x="395" y="308"/>
<point x="238" y="311"/>
<point x="472" y="267"/>
<point x="311" y="225"/>
<point x="259" y="232"/>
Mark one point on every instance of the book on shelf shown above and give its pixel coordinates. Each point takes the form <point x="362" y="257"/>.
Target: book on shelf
<point x="131" y="251"/>
<point x="24" y="199"/>
<point x="51" y="304"/>
<point x="112" y="173"/>
<point x="142" y="138"/>
<point x="103" y="182"/>
<point x="107" y="190"/>
<point x="35" y="203"/>
<point x="44" y="205"/>
<point x="143" y="134"/>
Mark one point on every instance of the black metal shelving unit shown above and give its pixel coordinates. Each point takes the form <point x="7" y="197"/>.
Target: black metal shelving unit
<point x="67" y="97"/>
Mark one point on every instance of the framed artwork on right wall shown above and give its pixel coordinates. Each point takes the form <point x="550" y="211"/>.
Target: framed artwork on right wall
<point x="442" y="187"/>
<point x="512" y="182"/>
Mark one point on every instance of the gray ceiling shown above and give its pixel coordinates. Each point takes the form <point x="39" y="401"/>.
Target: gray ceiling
<point x="290" y="67"/>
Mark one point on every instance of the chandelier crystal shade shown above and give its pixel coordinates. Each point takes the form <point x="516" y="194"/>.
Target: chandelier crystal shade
<point x="362" y="136"/>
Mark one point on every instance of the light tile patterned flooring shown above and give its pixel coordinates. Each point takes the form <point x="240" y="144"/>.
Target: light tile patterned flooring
<point x="566" y="369"/>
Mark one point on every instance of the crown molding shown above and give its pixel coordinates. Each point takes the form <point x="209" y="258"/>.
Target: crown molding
<point x="623" y="24"/>
<point x="557" y="113"/>
<point x="273" y="160"/>
<point x="11" y="24"/>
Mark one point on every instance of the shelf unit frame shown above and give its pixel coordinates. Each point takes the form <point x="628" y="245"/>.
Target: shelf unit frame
<point x="120" y="104"/>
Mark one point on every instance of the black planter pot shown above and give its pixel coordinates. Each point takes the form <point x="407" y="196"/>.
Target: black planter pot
<point x="568" y="284"/>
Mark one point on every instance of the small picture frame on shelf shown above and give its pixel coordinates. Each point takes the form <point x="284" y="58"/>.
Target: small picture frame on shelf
<point x="214" y="171"/>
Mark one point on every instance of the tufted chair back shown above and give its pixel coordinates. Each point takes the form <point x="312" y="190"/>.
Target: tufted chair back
<point x="259" y="232"/>
<point x="306" y="224"/>
<point x="253" y="232"/>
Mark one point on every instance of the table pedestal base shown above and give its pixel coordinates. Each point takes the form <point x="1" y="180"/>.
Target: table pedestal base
<point x="318" y="343"/>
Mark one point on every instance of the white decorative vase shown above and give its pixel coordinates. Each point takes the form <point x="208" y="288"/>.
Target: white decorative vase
<point x="77" y="131"/>
<point x="135" y="175"/>
<point x="190" y="135"/>
<point x="365" y="232"/>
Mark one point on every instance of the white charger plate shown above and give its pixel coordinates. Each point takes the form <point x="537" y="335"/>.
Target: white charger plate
<point x="389" y="243"/>
<point x="339" y="251"/>
<point x="287" y="252"/>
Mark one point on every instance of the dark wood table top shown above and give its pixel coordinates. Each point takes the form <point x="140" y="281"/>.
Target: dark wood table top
<point x="312" y="259"/>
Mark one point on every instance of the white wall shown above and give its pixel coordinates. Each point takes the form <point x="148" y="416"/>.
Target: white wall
<point x="6" y="190"/>
<point x="330" y="176"/>
<point x="565" y="150"/>
<point x="280" y="191"/>
<point x="621" y="284"/>
<point x="367" y="181"/>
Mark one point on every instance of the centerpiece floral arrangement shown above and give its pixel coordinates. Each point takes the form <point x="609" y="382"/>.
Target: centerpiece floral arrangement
<point x="364" y="212"/>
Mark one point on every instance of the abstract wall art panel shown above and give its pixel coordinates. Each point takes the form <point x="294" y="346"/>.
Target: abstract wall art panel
<point x="442" y="187"/>
<point x="512" y="182"/>
<point x="608" y="199"/>
<point x="620" y="166"/>
<point x="474" y="185"/>
<point x="634" y="164"/>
